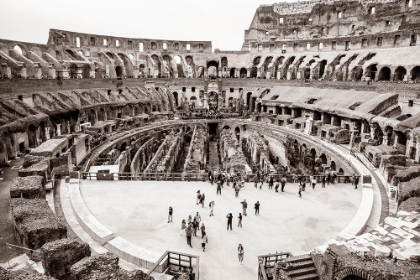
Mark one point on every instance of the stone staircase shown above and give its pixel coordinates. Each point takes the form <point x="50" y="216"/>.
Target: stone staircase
<point x="301" y="268"/>
<point x="213" y="156"/>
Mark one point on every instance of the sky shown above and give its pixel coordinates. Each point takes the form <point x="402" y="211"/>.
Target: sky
<point x="221" y="21"/>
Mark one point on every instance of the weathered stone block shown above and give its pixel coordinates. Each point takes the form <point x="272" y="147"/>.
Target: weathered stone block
<point x="22" y="275"/>
<point x="35" y="223"/>
<point x="58" y="256"/>
<point x="27" y="187"/>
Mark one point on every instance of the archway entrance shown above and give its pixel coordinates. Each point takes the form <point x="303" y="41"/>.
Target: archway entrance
<point x="415" y="74"/>
<point x="232" y="73"/>
<point x="384" y="74"/>
<point x="86" y="72"/>
<point x="118" y="71"/>
<point x="399" y="74"/>
<point x="243" y="73"/>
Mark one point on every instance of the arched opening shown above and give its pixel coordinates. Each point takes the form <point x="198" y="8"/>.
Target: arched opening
<point x="357" y="73"/>
<point x="175" y="94"/>
<point x="415" y="74"/>
<point x="101" y="115"/>
<point x="212" y="68"/>
<point x="193" y="101"/>
<point x="399" y="74"/>
<point x="179" y="67"/>
<point x="248" y="98"/>
<point x="243" y="73"/>
<point x="71" y="54"/>
<point x="32" y="136"/>
<point x="224" y="62"/>
<point x="86" y="71"/>
<point x="371" y="71"/>
<point x="73" y="71"/>
<point x="230" y="102"/>
<point x="254" y="72"/>
<point x="237" y="133"/>
<point x="384" y="74"/>
<point x="256" y="61"/>
<point x="128" y="65"/>
<point x="118" y="71"/>
<point x="157" y="66"/>
<point x="332" y="166"/>
<point x="322" y="65"/>
<point x="142" y="70"/>
<point x="323" y="158"/>
<point x="200" y="72"/>
<point x="123" y="147"/>
<point x="226" y="127"/>
<point x="18" y="49"/>
<point x="232" y="73"/>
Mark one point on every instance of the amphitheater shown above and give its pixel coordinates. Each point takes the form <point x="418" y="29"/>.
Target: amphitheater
<point x="99" y="135"/>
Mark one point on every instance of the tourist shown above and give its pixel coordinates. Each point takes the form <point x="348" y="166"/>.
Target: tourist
<point x="283" y="182"/>
<point x="189" y="219"/>
<point x="204" y="240"/>
<point x="240" y="220"/>
<point x="276" y="187"/>
<point x="202" y="199"/>
<point x="256" y="178"/>
<point x="270" y="182"/>
<point x="183" y="226"/>
<point x="189" y="232"/>
<point x="323" y="179"/>
<point x="261" y="180"/>
<point x="211" y="208"/>
<point x="170" y="214"/>
<point x="328" y="178"/>
<point x="313" y="182"/>
<point x="203" y="229"/>
<point x="257" y="208"/>
<point x="219" y="189"/>
<point x="229" y="221"/>
<point x="198" y="218"/>
<point x="356" y="181"/>
<point x="240" y="253"/>
<point x="244" y="206"/>
<point x="195" y="226"/>
<point x="191" y="274"/>
<point x="237" y="191"/>
<point x="198" y="197"/>
<point x="353" y="178"/>
<point x="300" y="190"/>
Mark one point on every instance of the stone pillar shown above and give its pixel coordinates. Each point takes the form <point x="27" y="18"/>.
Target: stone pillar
<point x="385" y="140"/>
<point x="23" y="72"/>
<point x="289" y="75"/>
<point x="38" y="72"/>
<point x="47" y="132"/>
<point x="51" y="72"/>
<point x="58" y="132"/>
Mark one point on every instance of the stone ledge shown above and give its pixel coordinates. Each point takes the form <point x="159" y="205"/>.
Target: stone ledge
<point x="88" y="222"/>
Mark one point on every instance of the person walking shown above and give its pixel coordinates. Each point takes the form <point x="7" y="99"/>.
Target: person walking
<point x="236" y="191"/>
<point x="183" y="226"/>
<point x="244" y="206"/>
<point x="328" y="178"/>
<point x="356" y="181"/>
<point x="198" y="197"/>
<point x="313" y="182"/>
<point x="241" y="253"/>
<point x="283" y="183"/>
<point x="203" y="229"/>
<point x="198" y="218"/>
<point x="276" y="187"/>
<point x="271" y="182"/>
<point x="261" y="181"/>
<point x="211" y="208"/>
<point x="202" y="199"/>
<point x="256" y="178"/>
<point x="170" y="214"/>
<point x="240" y="220"/>
<point x="323" y="179"/>
<point x="189" y="219"/>
<point x="189" y="232"/>
<point x="257" y="208"/>
<point x="229" y="221"/>
<point x="219" y="188"/>
<point x="204" y="240"/>
<point x="195" y="226"/>
<point x="300" y="190"/>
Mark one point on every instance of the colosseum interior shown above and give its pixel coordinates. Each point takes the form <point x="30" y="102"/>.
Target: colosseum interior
<point x="321" y="92"/>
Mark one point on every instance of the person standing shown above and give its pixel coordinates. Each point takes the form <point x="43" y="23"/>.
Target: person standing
<point x="328" y="178"/>
<point x="256" y="178"/>
<point x="236" y="191"/>
<point x="241" y="253"/>
<point x="211" y="208"/>
<point x="323" y="179"/>
<point x="203" y="229"/>
<point x="170" y="214"/>
<point x="219" y="188"/>
<point x="189" y="219"/>
<point x="240" y="220"/>
<point x="283" y="183"/>
<point x="194" y="226"/>
<point x="313" y="182"/>
<point x="244" y="206"/>
<point x="300" y="190"/>
<point x="202" y="199"/>
<point x="183" y="226"/>
<point x="204" y="240"/>
<point x="276" y="187"/>
<point x="229" y="221"/>
<point x="198" y="218"/>
<point x="257" y="208"/>
<point x="271" y="182"/>
<point x="198" y="197"/>
<point x="356" y="181"/>
<point x="189" y="232"/>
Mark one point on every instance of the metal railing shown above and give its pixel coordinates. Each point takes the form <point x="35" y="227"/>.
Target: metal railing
<point x="177" y="261"/>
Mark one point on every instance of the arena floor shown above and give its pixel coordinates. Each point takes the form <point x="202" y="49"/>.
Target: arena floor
<point x="138" y="211"/>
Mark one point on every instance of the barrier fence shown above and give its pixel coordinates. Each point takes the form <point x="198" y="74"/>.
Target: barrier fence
<point x="179" y="262"/>
<point x="266" y="263"/>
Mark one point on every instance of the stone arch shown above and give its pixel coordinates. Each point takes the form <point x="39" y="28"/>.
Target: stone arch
<point x="232" y="72"/>
<point x="119" y="71"/>
<point x="415" y="74"/>
<point x="238" y="133"/>
<point x="256" y="60"/>
<point x="323" y="158"/>
<point x="333" y="166"/>
<point x="32" y="138"/>
<point x="73" y="71"/>
<point x="351" y="273"/>
<point x="399" y="74"/>
<point x="254" y="72"/>
<point x="193" y="100"/>
<point x="243" y="73"/>
<point x="384" y="74"/>
<point x="128" y="65"/>
<point x="322" y="66"/>
<point x="71" y="54"/>
<point x="224" y="62"/>
<point x="20" y="49"/>
<point x="212" y="68"/>
<point x="200" y="72"/>
<point x="175" y="94"/>
<point x="371" y="71"/>
<point x="101" y="115"/>
<point x="86" y="71"/>
<point x="248" y="98"/>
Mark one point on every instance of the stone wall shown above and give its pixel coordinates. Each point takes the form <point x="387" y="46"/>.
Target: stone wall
<point x="28" y="187"/>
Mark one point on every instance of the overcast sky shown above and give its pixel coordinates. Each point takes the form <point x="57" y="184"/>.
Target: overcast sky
<point x="221" y="21"/>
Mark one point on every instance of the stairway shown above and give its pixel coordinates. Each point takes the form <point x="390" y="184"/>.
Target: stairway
<point x="213" y="156"/>
<point x="302" y="268"/>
